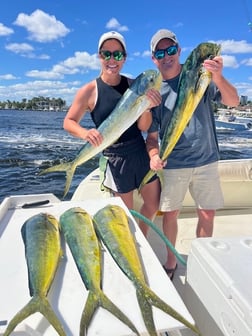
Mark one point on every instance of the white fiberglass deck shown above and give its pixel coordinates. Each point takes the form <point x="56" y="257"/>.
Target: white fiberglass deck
<point x="68" y="294"/>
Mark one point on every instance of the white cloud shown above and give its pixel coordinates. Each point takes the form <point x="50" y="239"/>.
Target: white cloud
<point x="235" y="47"/>
<point x="25" y="50"/>
<point x="39" y="88"/>
<point x="19" y="48"/>
<point x="230" y="61"/>
<point x="247" y="61"/>
<point x="80" y="62"/>
<point x="41" y="26"/>
<point x="114" y="24"/>
<point x="8" y="77"/>
<point x="4" y="31"/>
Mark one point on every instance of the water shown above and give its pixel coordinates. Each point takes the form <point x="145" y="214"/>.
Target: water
<point x="31" y="141"/>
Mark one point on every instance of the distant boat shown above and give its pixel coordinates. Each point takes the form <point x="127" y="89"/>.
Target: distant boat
<point x="224" y="122"/>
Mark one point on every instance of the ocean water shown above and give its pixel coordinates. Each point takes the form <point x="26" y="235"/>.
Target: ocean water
<point x="31" y="141"/>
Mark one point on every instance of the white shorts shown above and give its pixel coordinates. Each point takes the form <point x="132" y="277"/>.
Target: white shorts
<point x="203" y="184"/>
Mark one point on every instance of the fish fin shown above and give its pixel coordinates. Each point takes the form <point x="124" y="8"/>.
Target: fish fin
<point x="146" y="310"/>
<point x="30" y="308"/>
<point x="56" y="168"/>
<point x="107" y="304"/>
<point x="68" y="167"/>
<point x="146" y="178"/>
<point x="36" y="304"/>
<point x="91" y="305"/>
<point x="46" y="310"/>
<point x="99" y="299"/>
<point x="156" y="301"/>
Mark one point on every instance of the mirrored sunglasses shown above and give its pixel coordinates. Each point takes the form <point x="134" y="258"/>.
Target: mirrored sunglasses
<point x="160" y="53"/>
<point x="118" y="55"/>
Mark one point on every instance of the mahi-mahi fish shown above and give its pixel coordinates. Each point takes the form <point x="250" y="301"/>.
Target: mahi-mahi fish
<point x="112" y="227"/>
<point x="41" y="238"/>
<point x="77" y="227"/>
<point x="193" y="82"/>
<point x="129" y="108"/>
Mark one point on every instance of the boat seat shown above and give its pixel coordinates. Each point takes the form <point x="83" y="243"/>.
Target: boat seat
<point x="236" y="170"/>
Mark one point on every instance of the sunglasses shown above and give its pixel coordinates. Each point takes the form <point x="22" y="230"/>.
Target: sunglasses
<point x="160" y="53"/>
<point x="118" y="55"/>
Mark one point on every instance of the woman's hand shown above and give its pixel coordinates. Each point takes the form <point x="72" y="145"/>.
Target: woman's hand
<point x="156" y="163"/>
<point x="154" y="97"/>
<point x="93" y="136"/>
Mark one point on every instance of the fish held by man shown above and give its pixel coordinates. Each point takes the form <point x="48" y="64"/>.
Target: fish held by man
<point x="193" y="82"/>
<point x="112" y="227"/>
<point x="129" y="108"/>
<point x="77" y="227"/>
<point x="41" y="238"/>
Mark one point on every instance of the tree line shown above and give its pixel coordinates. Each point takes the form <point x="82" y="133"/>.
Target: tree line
<point x="37" y="103"/>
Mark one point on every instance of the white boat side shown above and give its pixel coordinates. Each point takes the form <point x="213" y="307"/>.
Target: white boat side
<point x="235" y="176"/>
<point x="233" y="227"/>
<point x="214" y="286"/>
<point x="68" y="293"/>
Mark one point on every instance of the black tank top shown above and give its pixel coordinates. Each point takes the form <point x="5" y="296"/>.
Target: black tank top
<point x="107" y="98"/>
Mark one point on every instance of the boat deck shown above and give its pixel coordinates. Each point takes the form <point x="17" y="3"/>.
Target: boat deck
<point x="228" y="223"/>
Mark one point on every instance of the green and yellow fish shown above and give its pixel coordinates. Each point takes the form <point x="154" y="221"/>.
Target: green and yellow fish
<point x="111" y="225"/>
<point x="193" y="82"/>
<point x="77" y="227"/>
<point x="129" y="108"/>
<point x="41" y="238"/>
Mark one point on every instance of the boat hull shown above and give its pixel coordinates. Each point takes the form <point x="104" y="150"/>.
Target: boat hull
<point x="235" y="176"/>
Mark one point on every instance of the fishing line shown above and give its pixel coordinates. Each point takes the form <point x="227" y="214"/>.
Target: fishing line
<point x="248" y="14"/>
<point x="160" y="233"/>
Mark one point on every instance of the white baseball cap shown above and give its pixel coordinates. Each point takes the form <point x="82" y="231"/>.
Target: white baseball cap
<point x="160" y="35"/>
<point x="111" y="35"/>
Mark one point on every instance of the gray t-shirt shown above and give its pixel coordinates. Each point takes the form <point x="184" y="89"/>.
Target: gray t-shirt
<point x="198" y="144"/>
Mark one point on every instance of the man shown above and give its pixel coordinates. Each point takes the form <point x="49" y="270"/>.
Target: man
<point x="193" y="162"/>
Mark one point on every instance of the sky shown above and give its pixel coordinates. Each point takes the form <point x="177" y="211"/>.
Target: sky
<point x="49" y="47"/>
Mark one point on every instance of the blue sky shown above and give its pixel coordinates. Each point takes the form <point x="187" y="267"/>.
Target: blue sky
<point x="49" y="48"/>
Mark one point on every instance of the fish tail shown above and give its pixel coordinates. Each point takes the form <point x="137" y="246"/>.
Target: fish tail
<point x="91" y="305"/>
<point x="146" y="310"/>
<point x="146" y="178"/>
<point x="57" y="168"/>
<point x="159" y="303"/>
<point x="68" y="167"/>
<point x="29" y="309"/>
<point x="107" y="304"/>
<point x="69" y="176"/>
<point x="96" y="300"/>
<point x="46" y="310"/>
<point x="36" y="304"/>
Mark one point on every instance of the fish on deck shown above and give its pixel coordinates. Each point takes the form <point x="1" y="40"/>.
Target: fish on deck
<point x="129" y="108"/>
<point x="193" y="82"/>
<point x="77" y="227"/>
<point x="111" y="225"/>
<point x="41" y="238"/>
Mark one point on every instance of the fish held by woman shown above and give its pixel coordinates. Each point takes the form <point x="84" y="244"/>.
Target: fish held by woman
<point x="77" y="227"/>
<point x="129" y="108"/>
<point x="41" y="238"/>
<point x="193" y="82"/>
<point x="111" y="225"/>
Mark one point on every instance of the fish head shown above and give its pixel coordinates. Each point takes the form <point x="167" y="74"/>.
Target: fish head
<point x="205" y="51"/>
<point x="146" y="80"/>
<point x="193" y="67"/>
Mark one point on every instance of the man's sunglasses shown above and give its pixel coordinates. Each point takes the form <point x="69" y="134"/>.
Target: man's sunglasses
<point x="118" y="55"/>
<point x="160" y="53"/>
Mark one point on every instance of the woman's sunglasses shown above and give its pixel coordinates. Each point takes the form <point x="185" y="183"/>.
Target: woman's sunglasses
<point x="118" y="55"/>
<point x="160" y="53"/>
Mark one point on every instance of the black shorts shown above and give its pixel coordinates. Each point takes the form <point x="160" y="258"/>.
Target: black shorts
<point x="125" y="172"/>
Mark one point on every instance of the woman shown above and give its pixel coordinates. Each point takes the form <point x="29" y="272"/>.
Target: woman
<point x="127" y="159"/>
